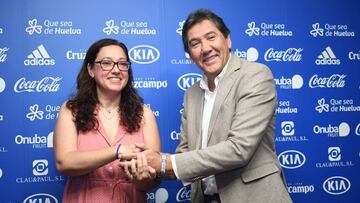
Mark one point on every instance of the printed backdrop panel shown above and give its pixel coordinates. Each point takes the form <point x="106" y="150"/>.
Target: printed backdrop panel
<point x="312" y="48"/>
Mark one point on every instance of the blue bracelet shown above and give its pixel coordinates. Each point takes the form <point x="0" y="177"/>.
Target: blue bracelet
<point x="117" y="151"/>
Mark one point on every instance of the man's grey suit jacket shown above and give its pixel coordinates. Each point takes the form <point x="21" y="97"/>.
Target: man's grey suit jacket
<point x="240" y="148"/>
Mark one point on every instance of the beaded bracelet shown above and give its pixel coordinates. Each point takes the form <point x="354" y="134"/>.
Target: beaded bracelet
<point x="117" y="151"/>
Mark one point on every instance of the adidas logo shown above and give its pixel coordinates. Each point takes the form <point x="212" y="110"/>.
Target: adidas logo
<point x="327" y="57"/>
<point x="39" y="57"/>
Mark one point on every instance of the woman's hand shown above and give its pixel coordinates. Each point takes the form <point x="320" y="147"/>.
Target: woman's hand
<point x="127" y="150"/>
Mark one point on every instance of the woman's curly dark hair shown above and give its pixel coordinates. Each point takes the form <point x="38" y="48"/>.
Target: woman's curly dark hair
<point x="84" y="102"/>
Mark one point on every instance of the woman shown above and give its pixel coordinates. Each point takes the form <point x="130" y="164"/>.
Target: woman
<point x="103" y="120"/>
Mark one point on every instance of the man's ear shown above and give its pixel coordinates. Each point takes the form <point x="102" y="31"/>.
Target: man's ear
<point x="228" y="41"/>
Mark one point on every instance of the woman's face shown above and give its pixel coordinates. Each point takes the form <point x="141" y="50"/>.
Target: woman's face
<point x="110" y="80"/>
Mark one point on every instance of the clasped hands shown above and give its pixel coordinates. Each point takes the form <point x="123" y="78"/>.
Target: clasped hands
<point x="139" y="162"/>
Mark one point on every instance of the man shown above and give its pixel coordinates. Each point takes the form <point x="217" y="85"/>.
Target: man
<point x="227" y="133"/>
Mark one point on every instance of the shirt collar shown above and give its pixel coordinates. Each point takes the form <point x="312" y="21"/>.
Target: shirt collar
<point x="204" y="79"/>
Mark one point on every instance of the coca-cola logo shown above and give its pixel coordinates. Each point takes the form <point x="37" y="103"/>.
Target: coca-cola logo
<point x="47" y="84"/>
<point x="3" y="55"/>
<point x="183" y="195"/>
<point x="334" y="81"/>
<point x="357" y="129"/>
<point x="291" y="54"/>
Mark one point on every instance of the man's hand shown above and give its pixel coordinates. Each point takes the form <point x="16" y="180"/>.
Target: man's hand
<point x="133" y="162"/>
<point x="137" y="169"/>
<point x="142" y="164"/>
<point x="153" y="157"/>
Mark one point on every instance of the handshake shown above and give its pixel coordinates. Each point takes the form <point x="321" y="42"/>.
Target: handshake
<point x="141" y="163"/>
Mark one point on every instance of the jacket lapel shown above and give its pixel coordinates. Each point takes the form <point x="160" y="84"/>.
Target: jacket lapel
<point x="223" y="90"/>
<point x="199" y="103"/>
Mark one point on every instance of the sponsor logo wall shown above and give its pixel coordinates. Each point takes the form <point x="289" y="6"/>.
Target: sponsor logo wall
<point x="315" y="62"/>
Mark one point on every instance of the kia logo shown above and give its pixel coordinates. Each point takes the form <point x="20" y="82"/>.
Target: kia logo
<point x="291" y="159"/>
<point x="185" y="81"/>
<point x="336" y="185"/>
<point x="144" y="54"/>
<point x="41" y="197"/>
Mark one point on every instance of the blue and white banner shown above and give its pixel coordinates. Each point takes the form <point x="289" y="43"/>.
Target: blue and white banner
<point x="312" y="48"/>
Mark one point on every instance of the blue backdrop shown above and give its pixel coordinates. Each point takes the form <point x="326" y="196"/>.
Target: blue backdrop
<point x="312" y="47"/>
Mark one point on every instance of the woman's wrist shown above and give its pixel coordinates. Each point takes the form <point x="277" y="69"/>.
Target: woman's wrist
<point x="117" y="153"/>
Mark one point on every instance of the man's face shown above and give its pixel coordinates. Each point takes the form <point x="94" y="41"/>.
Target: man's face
<point x="208" y="48"/>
